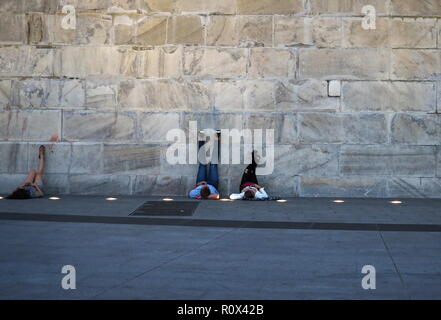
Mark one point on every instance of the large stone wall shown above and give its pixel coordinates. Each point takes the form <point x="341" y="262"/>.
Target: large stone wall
<point x="133" y="69"/>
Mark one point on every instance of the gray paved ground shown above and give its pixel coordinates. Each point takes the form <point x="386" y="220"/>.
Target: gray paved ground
<point x="176" y="262"/>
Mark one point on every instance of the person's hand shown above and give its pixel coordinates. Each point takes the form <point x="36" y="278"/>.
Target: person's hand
<point x="198" y="197"/>
<point x="257" y="186"/>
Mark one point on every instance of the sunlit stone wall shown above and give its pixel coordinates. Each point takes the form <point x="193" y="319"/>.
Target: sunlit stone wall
<point x="354" y="110"/>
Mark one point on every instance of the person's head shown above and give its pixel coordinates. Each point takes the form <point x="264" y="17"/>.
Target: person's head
<point x="205" y="192"/>
<point x="19" y="194"/>
<point x="249" y="194"/>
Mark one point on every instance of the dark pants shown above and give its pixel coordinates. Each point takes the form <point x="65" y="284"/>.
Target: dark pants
<point x="213" y="174"/>
<point x="249" y="174"/>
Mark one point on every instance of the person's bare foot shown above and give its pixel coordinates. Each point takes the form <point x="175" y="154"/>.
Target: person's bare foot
<point x="41" y="151"/>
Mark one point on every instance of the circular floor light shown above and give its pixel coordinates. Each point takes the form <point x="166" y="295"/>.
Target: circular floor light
<point x="54" y="198"/>
<point x="167" y="199"/>
<point x="225" y="200"/>
<point x="396" y="202"/>
<point x="338" y="201"/>
<point x="281" y="200"/>
<point x="111" y="199"/>
<point x="1" y="198"/>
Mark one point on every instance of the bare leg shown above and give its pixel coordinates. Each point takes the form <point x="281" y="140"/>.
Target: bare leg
<point x="31" y="176"/>
<point x="40" y="172"/>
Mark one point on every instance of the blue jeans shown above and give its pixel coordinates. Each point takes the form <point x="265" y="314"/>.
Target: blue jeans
<point x="213" y="174"/>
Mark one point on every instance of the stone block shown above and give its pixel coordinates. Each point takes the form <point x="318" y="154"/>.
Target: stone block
<point x="187" y="30"/>
<point x="203" y="6"/>
<point x="334" y="88"/>
<point x="244" y="31"/>
<point x="327" y="32"/>
<point x="416" y="129"/>
<point x="106" y="185"/>
<point x="414" y="187"/>
<point x="389" y="96"/>
<point x="38" y="93"/>
<point x="133" y="159"/>
<point x="304" y="96"/>
<point x="93" y="29"/>
<point x="13" y="158"/>
<point x="124" y="29"/>
<point x="388" y="160"/>
<point x="101" y="61"/>
<point x="415" y="64"/>
<point x="10" y="182"/>
<point x="29" y="125"/>
<point x="259" y="96"/>
<point x="151" y="31"/>
<point x="356" y="186"/>
<point x="55" y="184"/>
<point x="86" y="159"/>
<point x="156" y="125"/>
<point x="354" y="36"/>
<point x="101" y="94"/>
<point x="73" y="94"/>
<point x="47" y="29"/>
<point x="292" y="31"/>
<point x="216" y="63"/>
<point x="57" y="159"/>
<point x="269" y="7"/>
<point x="415" y="8"/>
<point x="413" y="33"/>
<point x="347" y="7"/>
<point x="332" y="64"/>
<point x="26" y="61"/>
<point x="342" y="128"/>
<point x="286" y="185"/>
<point x="154" y="6"/>
<point x="147" y="185"/>
<point x="98" y="126"/>
<point x="12" y="28"/>
<point x="284" y="125"/>
<point x="228" y="95"/>
<point x="164" y="95"/>
<point x="163" y="62"/>
<point x="271" y="63"/>
<point x="306" y="160"/>
<point x="5" y="93"/>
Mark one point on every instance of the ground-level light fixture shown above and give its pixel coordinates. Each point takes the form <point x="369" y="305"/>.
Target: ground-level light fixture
<point x="396" y="202"/>
<point x="111" y="199"/>
<point x="1" y="198"/>
<point x="54" y="198"/>
<point x="338" y="201"/>
<point x="282" y="200"/>
<point x="225" y="200"/>
<point x="167" y="199"/>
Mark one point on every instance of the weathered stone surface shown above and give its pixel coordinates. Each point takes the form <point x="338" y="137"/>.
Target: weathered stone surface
<point x="12" y="28"/>
<point x="334" y="88"/>
<point x="5" y="93"/>
<point x="133" y="159"/>
<point x="356" y="186"/>
<point x="187" y="30"/>
<point x="414" y="187"/>
<point x="73" y="94"/>
<point x="100" y="61"/>
<point x="29" y="125"/>
<point x="271" y="63"/>
<point x="309" y="160"/>
<point x="415" y="64"/>
<point x="145" y="185"/>
<point x="101" y="94"/>
<point x="163" y="62"/>
<point x="56" y="161"/>
<point x="415" y="8"/>
<point x="269" y="7"/>
<point x="342" y="128"/>
<point x="286" y="185"/>
<point x="388" y="160"/>
<point x="106" y="185"/>
<point x="218" y="63"/>
<point x="163" y="94"/>
<point x="438" y="167"/>
<point x="239" y="31"/>
<point x="33" y="93"/>
<point x="284" y="125"/>
<point x="13" y="158"/>
<point x="259" y="96"/>
<point x="86" y="158"/>
<point x="416" y="129"/>
<point x="413" y="33"/>
<point x="344" y="64"/>
<point x="203" y="6"/>
<point x="26" y="61"/>
<point x="10" y="181"/>
<point x="304" y="96"/>
<point x="353" y="7"/>
<point x="158" y="5"/>
<point x="354" y="36"/>
<point x="151" y="31"/>
<point x="228" y="95"/>
<point x="93" y="29"/>
<point x="156" y="125"/>
<point x="48" y="29"/>
<point x="327" y="32"/>
<point x="35" y="27"/>
<point x="124" y="29"/>
<point x="389" y="96"/>
<point x="292" y="31"/>
<point x="87" y="126"/>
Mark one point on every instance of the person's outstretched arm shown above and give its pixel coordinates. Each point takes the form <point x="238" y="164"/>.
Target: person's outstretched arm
<point x="213" y="196"/>
<point x="236" y="196"/>
<point x="261" y="194"/>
